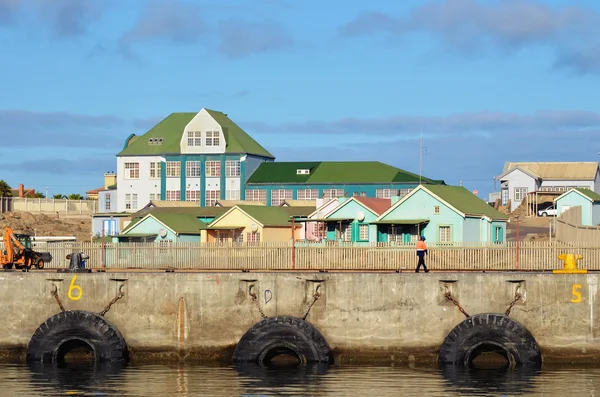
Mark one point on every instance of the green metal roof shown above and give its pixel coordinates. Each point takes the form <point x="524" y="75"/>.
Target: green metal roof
<point x="334" y="172"/>
<point x="180" y="223"/>
<point x="465" y="201"/>
<point x="238" y="141"/>
<point x="268" y="216"/>
<point x="171" y="129"/>
<point x="299" y="211"/>
<point x="589" y="194"/>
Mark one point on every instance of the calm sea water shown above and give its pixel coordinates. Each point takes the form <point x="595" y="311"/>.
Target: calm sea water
<point x="198" y="380"/>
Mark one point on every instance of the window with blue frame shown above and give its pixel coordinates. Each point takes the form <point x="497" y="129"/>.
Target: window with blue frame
<point x="498" y="234"/>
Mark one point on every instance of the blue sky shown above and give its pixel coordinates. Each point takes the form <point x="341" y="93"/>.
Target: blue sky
<point x="484" y="81"/>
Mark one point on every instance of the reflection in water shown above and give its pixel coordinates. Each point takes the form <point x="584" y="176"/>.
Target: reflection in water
<point x="251" y="380"/>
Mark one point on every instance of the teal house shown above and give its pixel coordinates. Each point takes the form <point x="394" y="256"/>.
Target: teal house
<point x="352" y="221"/>
<point x="588" y="200"/>
<point x="444" y="215"/>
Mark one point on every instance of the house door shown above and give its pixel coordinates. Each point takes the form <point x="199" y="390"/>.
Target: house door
<point x="109" y="227"/>
<point x="504" y="196"/>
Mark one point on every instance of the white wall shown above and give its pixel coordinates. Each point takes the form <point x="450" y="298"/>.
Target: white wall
<point x="597" y="182"/>
<point x="203" y="121"/>
<point x="142" y="186"/>
<point x="568" y="184"/>
<point x="517" y="179"/>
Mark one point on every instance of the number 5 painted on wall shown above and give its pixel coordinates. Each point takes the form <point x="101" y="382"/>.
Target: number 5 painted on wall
<point x="576" y="293"/>
<point x="74" y="287"/>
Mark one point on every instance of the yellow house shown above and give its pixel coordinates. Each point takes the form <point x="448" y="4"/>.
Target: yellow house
<point x="253" y="224"/>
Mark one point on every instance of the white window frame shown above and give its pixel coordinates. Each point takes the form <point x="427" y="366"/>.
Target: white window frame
<point x="173" y="195"/>
<point x="194" y="138"/>
<point x="520" y="193"/>
<point x="134" y="201"/>
<point x="211" y="197"/>
<point x="232" y="194"/>
<point x="192" y="169"/>
<point x="445" y="234"/>
<point x="132" y="170"/>
<point x="363" y="232"/>
<point x="154" y="170"/>
<point x="154" y="196"/>
<point x="307" y="194"/>
<point x="107" y="202"/>
<point x="212" y="169"/>
<point x="384" y="193"/>
<point x="212" y="138"/>
<point x="192" y="196"/>
<point x="256" y="195"/>
<point x="128" y="201"/>
<point x="344" y="231"/>
<point x="233" y="168"/>
<point x="173" y="169"/>
<point x="278" y="196"/>
<point x="253" y="238"/>
<point x="332" y="193"/>
<point x="394" y="234"/>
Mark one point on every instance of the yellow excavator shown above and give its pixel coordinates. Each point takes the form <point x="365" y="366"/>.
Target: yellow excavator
<point x="18" y="252"/>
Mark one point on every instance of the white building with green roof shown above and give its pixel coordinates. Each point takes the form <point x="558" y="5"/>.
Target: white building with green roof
<point x="205" y="157"/>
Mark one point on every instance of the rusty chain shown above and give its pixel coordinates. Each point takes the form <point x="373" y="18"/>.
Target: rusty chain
<point x="448" y="296"/>
<point x="255" y="300"/>
<point x="518" y="297"/>
<point x="54" y="293"/>
<point x="119" y="295"/>
<point x="315" y="297"/>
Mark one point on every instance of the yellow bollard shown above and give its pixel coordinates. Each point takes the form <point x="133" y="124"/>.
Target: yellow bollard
<point x="570" y="264"/>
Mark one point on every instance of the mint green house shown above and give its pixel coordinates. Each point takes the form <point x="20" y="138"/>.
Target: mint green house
<point x="588" y="200"/>
<point x="352" y="221"/>
<point x="444" y="215"/>
<point x="164" y="227"/>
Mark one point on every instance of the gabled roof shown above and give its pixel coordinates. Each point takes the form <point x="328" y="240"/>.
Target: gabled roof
<point x="171" y="130"/>
<point x="299" y="203"/>
<point x="325" y="205"/>
<point x="179" y="223"/>
<point x="522" y="169"/>
<point x="96" y="191"/>
<point x="457" y="198"/>
<point x="298" y="211"/>
<point x="231" y="203"/>
<point x="171" y="204"/>
<point x="266" y="216"/>
<point x="334" y="172"/>
<point x="199" y="212"/>
<point x="238" y="141"/>
<point x="585" y="171"/>
<point x="377" y="205"/>
<point x="587" y="193"/>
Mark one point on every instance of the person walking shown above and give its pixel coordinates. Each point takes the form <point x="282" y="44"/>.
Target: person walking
<point x="421" y="252"/>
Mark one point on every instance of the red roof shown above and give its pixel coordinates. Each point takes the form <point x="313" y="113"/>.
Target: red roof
<point x="377" y="205"/>
<point x="95" y="191"/>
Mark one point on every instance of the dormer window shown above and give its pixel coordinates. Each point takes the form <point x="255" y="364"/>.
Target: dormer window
<point x="155" y="141"/>
<point x="212" y="138"/>
<point x="194" y="138"/>
<point x="302" y="172"/>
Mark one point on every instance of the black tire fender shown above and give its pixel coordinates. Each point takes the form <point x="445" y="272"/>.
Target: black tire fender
<point x="490" y="330"/>
<point x="52" y="339"/>
<point x="274" y="334"/>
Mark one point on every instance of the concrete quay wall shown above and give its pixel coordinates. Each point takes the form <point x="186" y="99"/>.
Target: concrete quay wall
<point x="375" y="317"/>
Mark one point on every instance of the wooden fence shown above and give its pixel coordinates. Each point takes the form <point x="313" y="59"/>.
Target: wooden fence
<point x="525" y="256"/>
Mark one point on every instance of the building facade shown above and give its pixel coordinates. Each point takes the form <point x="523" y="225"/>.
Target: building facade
<point x="205" y="157"/>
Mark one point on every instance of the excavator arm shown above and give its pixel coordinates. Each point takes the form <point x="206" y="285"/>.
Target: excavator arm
<point x="12" y="245"/>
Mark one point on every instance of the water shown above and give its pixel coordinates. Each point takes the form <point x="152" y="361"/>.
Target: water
<point x="198" y="380"/>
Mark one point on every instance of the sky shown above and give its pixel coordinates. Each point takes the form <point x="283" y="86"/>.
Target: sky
<point x="479" y="82"/>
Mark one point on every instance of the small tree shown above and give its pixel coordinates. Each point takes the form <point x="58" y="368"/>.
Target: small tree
<point x="5" y="189"/>
<point x="75" y="196"/>
<point x="58" y="196"/>
<point x="39" y="195"/>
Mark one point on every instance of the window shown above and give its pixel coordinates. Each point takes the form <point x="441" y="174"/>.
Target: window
<point x="192" y="169"/>
<point x="155" y="141"/>
<point x="404" y="192"/>
<point x="332" y="193"/>
<point x="232" y="168"/>
<point x="359" y="194"/>
<point x="107" y="202"/>
<point x="128" y="201"/>
<point x="520" y="193"/>
<point x="232" y="195"/>
<point x="498" y="234"/>
<point x="192" y="195"/>
<point x="173" y="195"/>
<point x="308" y="194"/>
<point x="154" y="196"/>
<point x="154" y="170"/>
<point x="173" y="169"/>
<point x="212" y="138"/>
<point x="445" y="236"/>
<point x="134" y="201"/>
<point x="384" y="193"/>
<point x="213" y="168"/>
<point x="302" y="172"/>
<point x="394" y="234"/>
<point x="253" y="238"/>
<point x="212" y="196"/>
<point x="436" y="209"/>
<point x="132" y="170"/>
<point x="279" y="196"/>
<point x="256" y="195"/>
<point x="194" y="138"/>
<point x="363" y="232"/>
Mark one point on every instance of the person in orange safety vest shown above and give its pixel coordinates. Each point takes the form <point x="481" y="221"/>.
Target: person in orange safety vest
<point x="421" y="252"/>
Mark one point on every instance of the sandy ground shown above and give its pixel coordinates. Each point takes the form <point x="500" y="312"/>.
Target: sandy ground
<point x="533" y="228"/>
<point x="79" y="226"/>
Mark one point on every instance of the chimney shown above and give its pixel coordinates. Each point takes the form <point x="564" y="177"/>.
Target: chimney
<point x="110" y="178"/>
<point x="21" y="190"/>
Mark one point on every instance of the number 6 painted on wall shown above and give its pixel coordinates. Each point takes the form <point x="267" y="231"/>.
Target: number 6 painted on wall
<point x="576" y="292"/>
<point x="74" y="287"/>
